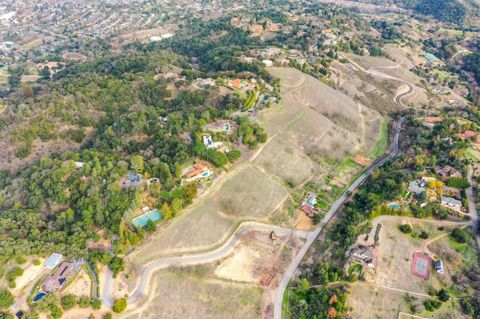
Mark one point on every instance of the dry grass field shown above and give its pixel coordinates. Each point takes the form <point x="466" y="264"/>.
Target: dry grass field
<point x="249" y="194"/>
<point x="180" y="295"/>
<point x="197" y="229"/>
<point x="287" y="161"/>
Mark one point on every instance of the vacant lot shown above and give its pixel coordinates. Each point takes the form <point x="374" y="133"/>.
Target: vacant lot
<point x="197" y="229"/>
<point x="287" y="161"/>
<point x="81" y="285"/>
<point x="248" y="194"/>
<point x="177" y="295"/>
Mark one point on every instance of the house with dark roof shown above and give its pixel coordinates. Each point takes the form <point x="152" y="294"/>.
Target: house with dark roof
<point x="56" y="280"/>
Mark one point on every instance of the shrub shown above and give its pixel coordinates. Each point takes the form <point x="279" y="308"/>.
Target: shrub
<point x="12" y="274"/>
<point x="459" y="235"/>
<point x="234" y="155"/>
<point x="405" y="228"/>
<point x="431" y="305"/>
<point x="96" y="304"/>
<point x="119" y="305"/>
<point x="37" y="262"/>
<point x="68" y="302"/>
<point x="6" y="299"/>
<point x="108" y="315"/>
<point x="423" y="234"/>
<point x="443" y="295"/>
<point x="84" y="302"/>
<point x="56" y="312"/>
<point x="20" y="260"/>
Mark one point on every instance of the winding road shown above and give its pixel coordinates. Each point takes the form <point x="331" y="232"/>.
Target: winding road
<point x="219" y="253"/>
<point x="312" y="236"/>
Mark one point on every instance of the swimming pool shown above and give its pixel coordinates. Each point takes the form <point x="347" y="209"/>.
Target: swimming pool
<point x="38" y="296"/>
<point x="394" y="205"/>
<point x="142" y="220"/>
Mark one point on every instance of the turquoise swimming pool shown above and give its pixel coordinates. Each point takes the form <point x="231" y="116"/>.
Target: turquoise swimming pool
<point x="394" y="205"/>
<point x="142" y="220"/>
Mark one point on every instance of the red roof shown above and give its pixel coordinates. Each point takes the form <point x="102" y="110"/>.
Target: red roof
<point x="306" y="208"/>
<point x="236" y="83"/>
<point x="468" y="134"/>
<point x="433" y="119"/>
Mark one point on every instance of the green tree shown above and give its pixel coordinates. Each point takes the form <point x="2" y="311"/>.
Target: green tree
<point x="68" y="302"/>
<point x="119" y="305"/>
<point x="443" y="295"/>
<point x="96" y="304"/>
<point x="116" y="265"/>
<point x="136" y="163"/>
<point x="45" y="73"/>
<point x="166" y="211"/>
<point x="6" y="299"/>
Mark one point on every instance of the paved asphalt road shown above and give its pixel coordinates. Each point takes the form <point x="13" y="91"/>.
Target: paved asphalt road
<point x="472" y="210"/>
<point x="278" y="302"/>
<point x="216" y="254"/>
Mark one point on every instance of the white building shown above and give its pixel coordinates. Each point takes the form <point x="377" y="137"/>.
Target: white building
<point x="53" y="260"/>
<point x="268" y="63"/>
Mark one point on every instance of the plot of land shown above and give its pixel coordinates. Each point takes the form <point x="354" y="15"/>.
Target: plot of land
<point x="185" y="296"/>
<point x="383" y="294"/>
<point x="248" y="194"/>
<point x="287" y="161"/>
<point x="81" y="285"/>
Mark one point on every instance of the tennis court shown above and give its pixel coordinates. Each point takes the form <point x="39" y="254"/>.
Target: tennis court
<point x="421" y="265"/>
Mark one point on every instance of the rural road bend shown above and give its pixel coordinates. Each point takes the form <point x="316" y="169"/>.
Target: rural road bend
<point x="278" y="302"/>
<point x="223" y="251"/>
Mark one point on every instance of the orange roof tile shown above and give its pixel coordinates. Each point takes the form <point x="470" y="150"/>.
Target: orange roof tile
<point x="433" y="119"/>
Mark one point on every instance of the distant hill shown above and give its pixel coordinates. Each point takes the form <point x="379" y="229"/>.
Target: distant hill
<point x="452" y="11"/>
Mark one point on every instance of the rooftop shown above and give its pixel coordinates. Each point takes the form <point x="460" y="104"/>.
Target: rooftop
<point x="53" y="260"/>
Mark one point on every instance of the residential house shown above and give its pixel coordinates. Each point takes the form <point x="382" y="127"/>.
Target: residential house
<point x="448" y="171"/>
<point x="132" y="179"/>
<point x="308" y="205"/>
<point x="209" y="143"/>
<point x="468" y="135"/>
<point x="430" y="121"/>
<point x="428" y="179"/>
<point x="451" y="203"/>
<point x="56" y="280"/>
<point x="363" y="254"/>
<point x="197" y="171"/>
<point x="432" y="60"/>
<point x="268" y="63"/>
<point x="416" y="187"/>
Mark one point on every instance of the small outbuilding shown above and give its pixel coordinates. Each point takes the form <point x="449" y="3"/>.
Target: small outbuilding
<point x="53" y="260"/>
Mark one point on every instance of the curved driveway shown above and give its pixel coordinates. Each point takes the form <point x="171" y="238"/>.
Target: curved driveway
<point x="214" y="255"/>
